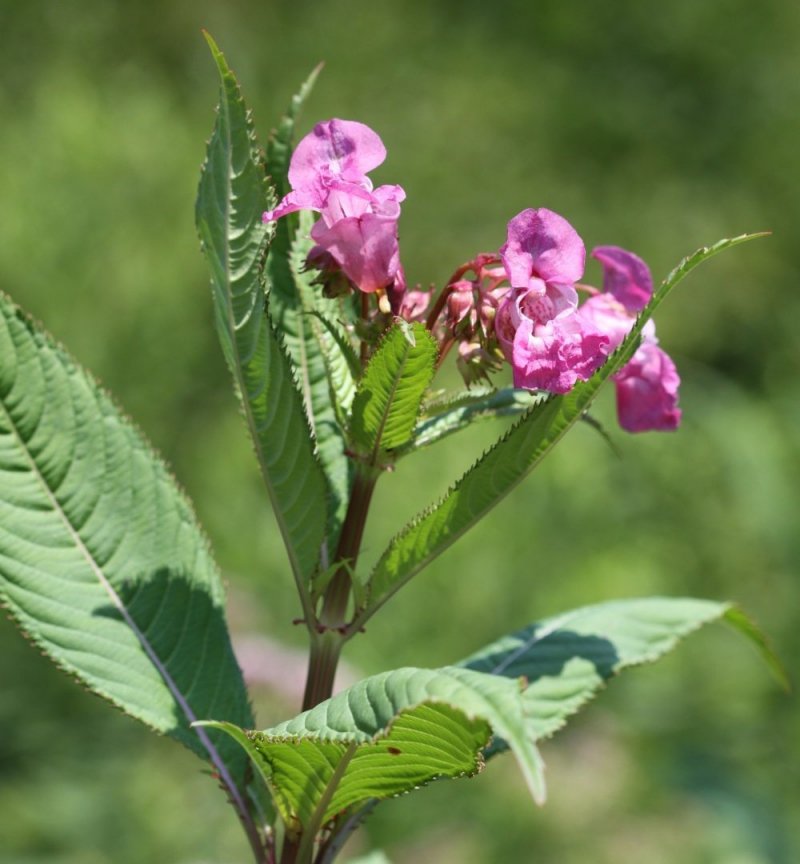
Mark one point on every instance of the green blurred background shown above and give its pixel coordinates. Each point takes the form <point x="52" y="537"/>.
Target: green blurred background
<point x="656" y="126"/>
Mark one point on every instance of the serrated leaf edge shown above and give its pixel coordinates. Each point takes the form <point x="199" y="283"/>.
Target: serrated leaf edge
<point x="418" y="332"/>
<point x="235" y="361"/>
<point x="40" y="335"/>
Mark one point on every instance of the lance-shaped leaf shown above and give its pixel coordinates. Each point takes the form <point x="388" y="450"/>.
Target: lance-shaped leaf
<point x="294" y="302"/>
<point x="390" y="392"/>
<point x="464" y="409"/>
<point x="232" y="197"/>
<point x="387" y="735"/>
<point x="102" y="562"/>
<point x="510" y="460"/>
<point x="566" y="659"/>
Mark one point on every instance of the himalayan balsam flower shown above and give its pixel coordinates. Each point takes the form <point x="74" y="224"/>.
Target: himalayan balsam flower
<point x="540" y="333"/>
<point x="358" y="225"/>
<point x="647" y="386"/>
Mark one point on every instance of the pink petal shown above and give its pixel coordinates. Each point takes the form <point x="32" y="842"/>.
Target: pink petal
<point x="415" y="304"/>
<point x="542" y="244"/>
<point x="298" y="199"/>
<point x="460" y="301"/>
<point x="543" y="301"/>
<point x="555" y="355"/>
<point x="387" y="199"/>
<point x="647" y="392"/>
<point x="608" y="316"/>
<point x="344" y="200"/>
<point x="625" y="276"/>
<point x="341" y="148"/>
<point x="505" y="325"/>
<point x="365" y="248"/>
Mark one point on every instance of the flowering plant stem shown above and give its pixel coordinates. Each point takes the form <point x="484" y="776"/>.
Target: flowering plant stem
<point x="100" y="550"/>
<point x="330" y="632"/>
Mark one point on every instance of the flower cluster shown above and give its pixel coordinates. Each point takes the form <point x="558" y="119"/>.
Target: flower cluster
<point x="520" y="304"/>
<point x="552" y="342"/>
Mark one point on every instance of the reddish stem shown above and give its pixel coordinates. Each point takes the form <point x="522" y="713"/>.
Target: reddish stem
<point x="444" y="350"/>
<point x="437" y="307"/>
<point x="290" y="850"/>
<point x="327" y="644"/>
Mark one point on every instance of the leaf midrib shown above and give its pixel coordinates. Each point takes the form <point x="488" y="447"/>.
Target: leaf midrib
<point x="385" y="415"/>
<point x="117" y="602"/>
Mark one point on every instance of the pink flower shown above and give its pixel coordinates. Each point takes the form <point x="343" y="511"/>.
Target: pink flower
<point x="341" y="149"/>
<point x="335" y="153"/>
<point x="538" y="327"/>
<point x="414" y="305"/>
<point x="647" y="391"/>
<point x="358" y="225"/>
<point x="609" y="316"/>
<point x="647" y="386"/>
<point x="461" y="302"/>
<point x="542" y="248"/>
<point x="359" y="231"/>
<point x="625" y="276"/>
<point x="548" y="353"/>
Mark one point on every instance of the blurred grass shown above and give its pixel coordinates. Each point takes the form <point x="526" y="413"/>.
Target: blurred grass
<point x="657" y="127"/>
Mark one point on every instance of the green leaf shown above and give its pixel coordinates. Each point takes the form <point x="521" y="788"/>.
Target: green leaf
<point x="321" y="316"/>
<point x="390" y="392"/>
<point x="466" y="408"/>
<point x="294" y="303"/>
<point x="440" y="401"/>
<point x="567" y="658"/>
<point x="233" y="194"/>
<point x="341" y="360"/>
<point x="102" y="562"/>
<point x="387" y="735"/>
<point x="744" y="625"/>
<point x="510" y="460"/>
<point x="347" y="352"/>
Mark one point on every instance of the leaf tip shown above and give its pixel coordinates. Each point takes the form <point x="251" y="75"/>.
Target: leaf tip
<point x="407" y="330"/>
<point x="736" y="618"/>
<point x="314" y="74"/>
<point x="216" y="53"/>
<point x="533" y="770"/>
<point x="210" y="42"/>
